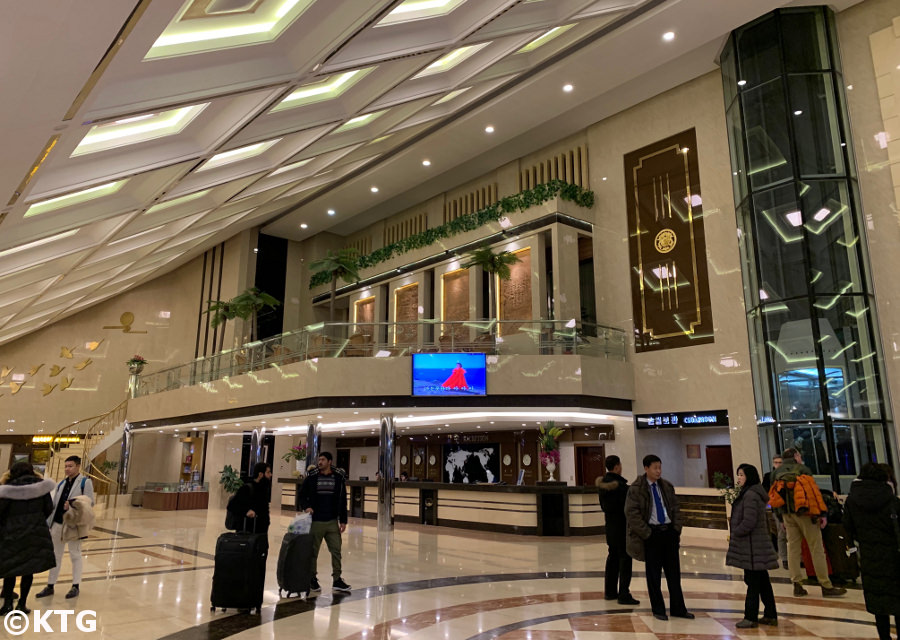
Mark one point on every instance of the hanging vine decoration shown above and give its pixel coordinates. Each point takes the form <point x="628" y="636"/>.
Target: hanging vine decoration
<point x="471" y="221"/>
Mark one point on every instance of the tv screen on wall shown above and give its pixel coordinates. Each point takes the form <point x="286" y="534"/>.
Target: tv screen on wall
<point x="449" y="374"/>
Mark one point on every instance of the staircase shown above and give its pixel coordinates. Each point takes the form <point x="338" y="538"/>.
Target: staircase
<point x="102" y="432"/>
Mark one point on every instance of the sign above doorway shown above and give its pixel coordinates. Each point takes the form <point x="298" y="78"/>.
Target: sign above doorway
<point x="681" y="420"/>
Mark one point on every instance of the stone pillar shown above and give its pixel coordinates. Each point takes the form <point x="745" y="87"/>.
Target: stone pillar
<point x="125" y="459"/>
<point x="386" y="473"/>
<point x="313" y="431"/>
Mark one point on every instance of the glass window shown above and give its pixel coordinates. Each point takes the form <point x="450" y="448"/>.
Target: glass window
<point x="814" y="116"/>
<point x="779" y="244"/>
<point x="747" y="245"/>
<point x="766" y="133"/>
<point x="849" y="356"/>
<point x="831" y="236"/>
<point x="729" y="72"/>
<point x="759" y="368"/>
<point x="805" y="42"/>
<point x="736" y="146"/>
<point x="758" y="52"/>
<point x="792" y="360"/>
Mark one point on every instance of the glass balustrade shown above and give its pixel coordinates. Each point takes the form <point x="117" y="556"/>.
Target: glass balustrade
<point x="393" y="339"/>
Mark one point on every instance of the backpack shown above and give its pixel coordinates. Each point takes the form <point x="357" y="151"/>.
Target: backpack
<point x="83" y="481"/>
<point x="233" y="519"/>
<point x="781" y="493"/>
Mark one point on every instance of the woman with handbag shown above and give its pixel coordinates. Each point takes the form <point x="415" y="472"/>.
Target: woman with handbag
<point x="750" y="548"/>
<point x="870" y="517"/>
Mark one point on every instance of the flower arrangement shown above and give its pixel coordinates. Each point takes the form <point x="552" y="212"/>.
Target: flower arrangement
<point x="297" y="452"/>
<point x="726" y="487"/>
<point x="549" y="433"/>
<point x="136" y="359"/>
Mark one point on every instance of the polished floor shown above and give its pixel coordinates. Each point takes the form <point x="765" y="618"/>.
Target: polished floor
<point x="148" y="575"/>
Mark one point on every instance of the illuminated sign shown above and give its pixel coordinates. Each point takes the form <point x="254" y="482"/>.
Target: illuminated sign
<point x="680" y="420"/>
<point x="61" y="439"/>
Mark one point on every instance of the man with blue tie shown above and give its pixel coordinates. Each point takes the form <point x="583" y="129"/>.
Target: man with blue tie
<point x="653" y="520"/>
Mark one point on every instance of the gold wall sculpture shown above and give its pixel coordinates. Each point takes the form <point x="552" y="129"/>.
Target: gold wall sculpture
<point x="455" y="303"/>
<point x="33" y="370"/>
<point x="667" y="246"/>
<point x="66" y="352"/>
<point x="125" y="322"/>
<point x="84" y="363"/>
<point x="55" y="370"/>
<point x="516" y="293"/>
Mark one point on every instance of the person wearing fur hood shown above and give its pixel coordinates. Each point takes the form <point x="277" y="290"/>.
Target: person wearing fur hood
<point x="25" y="544"/>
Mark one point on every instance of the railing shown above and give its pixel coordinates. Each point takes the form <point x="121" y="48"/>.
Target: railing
<point x="393" y="339"/>
<point x="100" y="426"/>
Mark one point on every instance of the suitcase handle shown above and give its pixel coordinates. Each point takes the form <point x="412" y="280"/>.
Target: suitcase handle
<point x="254" y="524"/>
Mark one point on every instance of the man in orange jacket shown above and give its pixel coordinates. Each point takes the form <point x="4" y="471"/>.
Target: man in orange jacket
<point x="804" y="516"/>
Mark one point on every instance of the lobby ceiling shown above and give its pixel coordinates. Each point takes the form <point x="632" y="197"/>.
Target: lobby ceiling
<point x="140" y="133"/>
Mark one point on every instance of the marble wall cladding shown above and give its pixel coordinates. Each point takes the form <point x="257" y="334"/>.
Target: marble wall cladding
<point x="455" y="301"/>
<point x="695" y="377"/>
<point x="516" y="293"/>
<point x="869" y="35"/>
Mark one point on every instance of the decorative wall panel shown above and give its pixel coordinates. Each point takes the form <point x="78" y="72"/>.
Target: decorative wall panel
<point x="365" y="315"/>
<point x="455" y="302"/>
<point x="515" y="293"/>
<point x="669" y="282"/>
<point x="406" y="309"/>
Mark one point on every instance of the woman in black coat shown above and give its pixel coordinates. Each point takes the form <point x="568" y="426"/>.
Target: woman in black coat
<point x="750" y="548"/>
<point x="868" y="517"/>
<point x="25" y="544"/>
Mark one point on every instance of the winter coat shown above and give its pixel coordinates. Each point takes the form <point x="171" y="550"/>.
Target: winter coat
<point x="613" y="491"/>
<point x="637" y="513"/>
<point x="309" y="491"/>
<point x="25" y="543"/>
<point x="867" y="518"/>
<point x="253" y="496"/>
<point x="74" y="493"/>
<point x="78" y="520"/>
<point x="750" y="546"/>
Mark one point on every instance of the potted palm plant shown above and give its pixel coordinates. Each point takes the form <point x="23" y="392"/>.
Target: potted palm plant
<point x="337" y="265"/>
<point x="245" y="305"/>
<point x="494" y="264"/>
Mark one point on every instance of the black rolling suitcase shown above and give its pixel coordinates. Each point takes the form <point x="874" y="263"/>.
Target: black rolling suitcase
<point x="841" y="553"/>
<point x="239" y="576"/>
<point x="293" y="570"/>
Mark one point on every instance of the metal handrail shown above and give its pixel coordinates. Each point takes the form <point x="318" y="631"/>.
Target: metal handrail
<point x="387" y="339"/>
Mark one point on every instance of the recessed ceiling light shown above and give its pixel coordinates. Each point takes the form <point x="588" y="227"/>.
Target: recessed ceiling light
<point x="798" y="112"/>
<point x="684" y="149"/>
<point x="426" y="163"/>
<point x="668" y="36"/>
<point x="373" y="189"/>
<point x="567" y="88"/>
<point x="331" y="212"/>
<point x="304" y="226"/>
<point x="604" y="178"/>
<point x="741" y="83"/>
<point x="489" y="129"/>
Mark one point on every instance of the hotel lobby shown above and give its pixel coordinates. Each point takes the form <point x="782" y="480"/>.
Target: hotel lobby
<point x="420" y="235"/>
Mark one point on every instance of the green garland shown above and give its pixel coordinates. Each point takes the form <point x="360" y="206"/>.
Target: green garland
<point x="471" y="221"/>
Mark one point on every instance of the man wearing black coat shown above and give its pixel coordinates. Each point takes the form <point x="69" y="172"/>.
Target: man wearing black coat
<point x="613" y="490"/>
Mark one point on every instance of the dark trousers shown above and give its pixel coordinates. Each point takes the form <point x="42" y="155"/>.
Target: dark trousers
<point x="661" y="554"/>
<point x="758" y="586"/>
<point x="618" y="573"/>
<point x="883" y="625"/>
<point x="9" y="585"/>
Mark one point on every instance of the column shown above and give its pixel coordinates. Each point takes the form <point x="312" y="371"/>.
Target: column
<point x="386" y="473"/>
<point x="313" y="431"/>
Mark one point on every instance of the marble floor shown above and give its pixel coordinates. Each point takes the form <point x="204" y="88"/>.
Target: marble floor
<point x="148" y="575"/>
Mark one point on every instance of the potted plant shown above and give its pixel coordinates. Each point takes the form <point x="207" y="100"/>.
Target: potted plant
<point x="549" y="433"/>
<point x="727" y="490"/>
<point x="297" y="453"/>
<point x="136" y="364"/>
<point x="230" y="480"/>
<point x="337" y="265"/>
<point x="494" y="264"/>
<point x="245" y="305"/>
<point x="108" y="466"/>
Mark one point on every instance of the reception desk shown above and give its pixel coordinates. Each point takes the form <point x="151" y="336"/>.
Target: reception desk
<point x="550" y="509"/>
<point x="175" y="500"/>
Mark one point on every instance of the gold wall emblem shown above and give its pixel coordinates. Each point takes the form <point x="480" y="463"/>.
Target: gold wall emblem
<point x="665" y="241"/>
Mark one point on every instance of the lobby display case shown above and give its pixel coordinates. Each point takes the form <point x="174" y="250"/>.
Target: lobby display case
<point x="173" y="496"/>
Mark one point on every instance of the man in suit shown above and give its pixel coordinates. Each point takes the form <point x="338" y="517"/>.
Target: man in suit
<point x="75" y="484"/>
<point x="653" y="519"/>
<point x="613" y="490"/>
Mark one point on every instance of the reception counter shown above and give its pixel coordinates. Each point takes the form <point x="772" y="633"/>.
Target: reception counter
<point x="549" y="509"/>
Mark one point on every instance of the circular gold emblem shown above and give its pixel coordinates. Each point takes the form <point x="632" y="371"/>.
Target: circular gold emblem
<point x="665" y="241"/>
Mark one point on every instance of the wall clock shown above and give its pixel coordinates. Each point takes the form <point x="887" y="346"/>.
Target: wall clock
<point x="403" y="459"/>
<point x="417" y="460"/>
<point x="432" y="460"/>
<point x="526" y="460"/>
<point x="507" y="460"/>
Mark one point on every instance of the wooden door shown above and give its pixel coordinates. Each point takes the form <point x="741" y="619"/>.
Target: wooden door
<point x="589" y="464"/>
<point x="718" y="459"/>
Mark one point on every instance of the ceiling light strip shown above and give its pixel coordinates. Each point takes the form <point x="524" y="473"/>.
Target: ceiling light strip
<point x="107" y="59"/>
<point x="33" y="170"/>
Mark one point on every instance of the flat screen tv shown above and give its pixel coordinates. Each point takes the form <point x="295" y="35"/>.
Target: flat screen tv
<point x="449" y="374"/>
